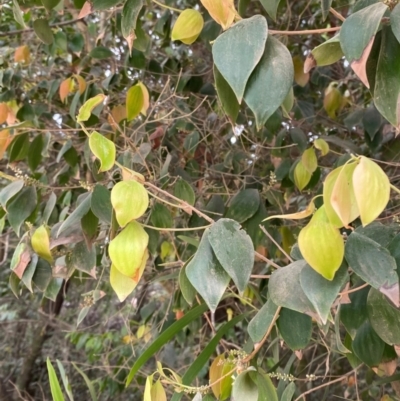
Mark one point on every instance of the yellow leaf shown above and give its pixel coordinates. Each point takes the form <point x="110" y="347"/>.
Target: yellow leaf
<point x="124" y="285"/>
<point x="103" y="149"/>
<point x="128" y="174"/>
<point x="220" y="367"/>
<point x="41" y="243"/>
<point x="3" y="113"/>
<point x="81" y="83"/>
<point x="222" y="11"/>
<point x="86" y="110"/>
<point x="149" y="383"/>
<point x="301" y="176"/>
<point x="128" y="249"/>
<point x="134" y="102"/>
<point x="309" y="160"/>
<point x="322" y="245"/>
<point x="342" y="197"/>
<point x="300" y="77"/>
<point x="332" y="100"/>
<point x="66" y="87"/>
<point x="118" y="113"/>
<point x="371" y="188"/>
<point x="167" y="251"/>
<point x="146" y="98"/>
<point x="321" y="145"/>
<point x="5" y="140"/>
<point x="188" y="26"/>
<point x="295" y="216"/>
<point x="22" y="54"/>
<point x="130" y="200"/>
<point x="158" y="392"/>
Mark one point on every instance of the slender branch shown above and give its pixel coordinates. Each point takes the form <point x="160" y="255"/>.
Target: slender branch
<point x="176" y="229"/>
<point x="337" y="15"/>
<point x="261" y="343"/>
<point x="165" y="6"/>
<point x="19" y="31"/>
<point x="264" y="230"/>
<point x="305" y="32"/>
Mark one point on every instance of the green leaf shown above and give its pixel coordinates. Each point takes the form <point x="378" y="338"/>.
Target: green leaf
<point x="244" y="388"/>
<point x="382" y="234"/>
<point x="285" y="288"/>
<point x="64" y="378"/>
<point x="260" y="323"/>
<point x="21" y="207"/>
<point x="368" y="346"/>
<point x="139" y="201"/>
<point x="188" y="291"/>
<point x="359" y="28"/>
<point x="205" y="264"/>
<point x="101" y="203"/>
<point x="387" y="81"/>
<point x="101" y="53"/>
<point x="161" y="216"/>
<point x="50" y="4"/>
<point x="130" y="13"/>
<point x="234" y="250"/>
<point x="104" y="4"/>
<point x="226" y="96"/>
<point x="301" y="175"/>
<point x="76" y="216"/>
<point x="243" y="205"/>
<point x="270" y="82"/>
<point x="295" y="328"/>
<point x="43" y="31"/>
<point x="384" y="317"/>
<point x="206" y="354"/>
<point x="18" y="14"/>
<point x="43" y="275"/>
<point x="326" y="5"/>
<point x="266" y="389"/>
<point x="271" y="7"/>
<point x="29" y="272"/>
<point x="88" y="382"/>
<point x="309" y="160"/>
<point x="238" y="50"/>
<point x="134" y="102"/>
<point x="164" y="338"/>
<point x="287" y="395"/>
<point x="321" y="292"/>
<point x="395" y="21"/>
<point x="53" y="288"/>
<point x="354" y="314"/>
<point x="183" y="190"/>
<point x="83" y="259"/>
<point x="372" y="121"/>
<point x="103" y="149"/>
<point x="35" y="152"/>
<point x="55" y="387"/>
<point x="9" y="191"/>
<point x="86" y="110"/>
<point x="371" y="261"/>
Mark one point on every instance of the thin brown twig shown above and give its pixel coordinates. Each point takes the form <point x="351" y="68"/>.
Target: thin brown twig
<point x="337" y="15"/>
<point x="264" y="230"/>
<point x="305" y="32"/>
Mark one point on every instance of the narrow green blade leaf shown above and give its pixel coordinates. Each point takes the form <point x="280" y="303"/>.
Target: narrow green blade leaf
<point x="87" y="381"/>
<point x="64" y="378"/>
<point x="54" y="383"/>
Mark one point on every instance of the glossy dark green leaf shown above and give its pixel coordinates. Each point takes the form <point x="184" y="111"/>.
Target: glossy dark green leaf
<point x="9" y="191"/>
<point x="244" y="388"/>
<point x="233" y="249"/>
<point x="384" y="317"/>
<point x="271" y="7"/>
<point x="129" y="16"/>
<point x="76" y="216"/>
<point x="53" y="288"/>
<point x="266" y="389"/>
<point x="226" y="96"/>
<point x="358" y="29"/>
<point x="43" y="275"/>
<point x="370" y="261"/>
<point x="395" y="21"/>
<point x="372" y="121"/>
<point x="287" y="395"/>
<point x="354" y="314"/>
<point x="205" y="264"/>
<point x="101" y="203"/>
<point x="321" y="292"/>
<point x="243" y="205"/>
<point x="21" y="207"/>
<point x="101" y="53"/>
<point x="35" y="152"/>
<point x="18" y="148"/>
<point x="285" y="288"/>
<point x="238" y="50"/>
<point x="163" y="339"/>
<point x="43" y="31"/>
<point x="50" y="205"/>
<point x="387" y="81"/>
<point x="161" y="216"/>
<point x="89" y="224"/>
<point x="260" y="323"/>
<point x="380" y="233"/>
<point x="295" y="328"/>
<point x="270" y="82"/>
<point x="183" y="190"/>
<point x="368" y="346"/>
<point x="351" y="356"/>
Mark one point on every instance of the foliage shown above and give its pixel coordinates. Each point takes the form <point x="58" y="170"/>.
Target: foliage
<point x="155" y="153"/>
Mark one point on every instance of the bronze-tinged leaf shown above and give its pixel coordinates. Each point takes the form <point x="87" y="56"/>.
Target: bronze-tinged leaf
<point x="222" y="11"/>
<point x="22" y="54"/>
<point x="85" y="10"/>
<point x="3" y="113"/>
<point x="66" y="88"/>
<point x="360" y="66"/>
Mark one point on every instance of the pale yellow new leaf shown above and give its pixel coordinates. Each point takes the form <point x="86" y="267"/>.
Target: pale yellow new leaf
<point x="221" y="11"/>
<point x="309" y="160"/>
<point x="41" y="243"/>
<point x="295" y="216"/>
<point x="301" y="176"/>
<point x="321" y="145"/>
<point x="188" y="26"/>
